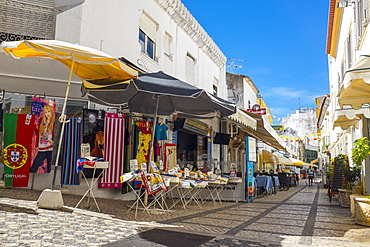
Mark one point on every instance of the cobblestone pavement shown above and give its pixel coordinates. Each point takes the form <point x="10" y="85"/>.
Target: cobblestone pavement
<point x="301" y="216"/>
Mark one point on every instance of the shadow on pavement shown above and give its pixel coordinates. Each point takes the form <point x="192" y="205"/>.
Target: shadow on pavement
<point x="160" y="237"/>
<point x="16" y="209"/>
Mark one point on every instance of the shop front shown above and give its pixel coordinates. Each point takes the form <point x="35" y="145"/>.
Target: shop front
<point x="193" y="145"/>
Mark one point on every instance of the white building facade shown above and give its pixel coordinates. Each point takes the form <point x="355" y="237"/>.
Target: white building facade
<point x="344" y="114"/>
<point x="150" y="35"/>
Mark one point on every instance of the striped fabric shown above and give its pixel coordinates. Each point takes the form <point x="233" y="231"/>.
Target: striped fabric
<point x="114" y="139"/>
<point x="71" y="152"/>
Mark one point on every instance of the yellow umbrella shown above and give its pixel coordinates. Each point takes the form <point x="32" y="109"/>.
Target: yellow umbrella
<point x="297" y="162"/>
<point x="84" y="62"/>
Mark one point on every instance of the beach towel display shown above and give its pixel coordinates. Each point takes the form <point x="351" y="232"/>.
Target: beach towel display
<point x="144" y="136"/>
<point x="43" y="134"/>
<point x="153" y="182"/>
<point x="71" y="152"/>
<point x="114" y="137"/>
<point x="17" y="148"/>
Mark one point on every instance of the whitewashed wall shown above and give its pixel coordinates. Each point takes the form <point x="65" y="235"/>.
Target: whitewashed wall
<point x="112" y="26"/>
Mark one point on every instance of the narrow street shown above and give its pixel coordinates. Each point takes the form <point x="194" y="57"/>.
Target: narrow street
<point x="301" y="216"/>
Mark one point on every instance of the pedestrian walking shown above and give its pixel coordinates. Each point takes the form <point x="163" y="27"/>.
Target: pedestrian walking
<point x="311" y="173"/>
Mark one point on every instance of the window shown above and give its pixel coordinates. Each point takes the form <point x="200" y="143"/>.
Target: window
<point x="361" y="17"/>
<point x="147" y="44"/>
<point x="215" y="86"/>
<point x="190" y="69"/>
<point x="347" y="60"/>
<point x="167" y="40"/>
<point x="147" y="35"/>
<point x="215" y="90"/>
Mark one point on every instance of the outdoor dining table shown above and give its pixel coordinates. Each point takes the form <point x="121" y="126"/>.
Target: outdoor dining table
<point x="277" y="182"/>
<point x="264" y="182"/>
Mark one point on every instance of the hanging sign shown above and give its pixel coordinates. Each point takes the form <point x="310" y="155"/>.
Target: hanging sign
<point x="256" y="108"/>
<point x="196" y="126"/>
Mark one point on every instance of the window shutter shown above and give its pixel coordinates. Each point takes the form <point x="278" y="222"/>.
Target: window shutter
<point x="148" y="26"/>
<point x="190" y="69"/>
<point x="167" y="44"/>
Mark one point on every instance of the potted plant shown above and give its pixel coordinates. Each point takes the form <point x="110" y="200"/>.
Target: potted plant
<point x="342" y="161"/>
<point x="359" y="154"/>
<point x="328" y="174"/>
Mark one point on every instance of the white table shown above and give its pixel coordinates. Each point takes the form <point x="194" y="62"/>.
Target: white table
<point x="98" y="165"/>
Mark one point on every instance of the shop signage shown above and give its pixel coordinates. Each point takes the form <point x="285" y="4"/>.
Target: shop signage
<point x="256" y="108"/>
<point x="278" y="127"/>
<point x="196" y="126"/>
<point x="251" y="153"/>
<point x="251" y="149"/>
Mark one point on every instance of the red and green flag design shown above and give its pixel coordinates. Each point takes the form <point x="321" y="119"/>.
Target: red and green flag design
<point x="17" y="147"/>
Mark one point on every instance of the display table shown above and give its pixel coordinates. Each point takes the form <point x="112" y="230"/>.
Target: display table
<point x="215" y="188"/>
<point x="98" y="165"/>
<point x="186" y="195"/>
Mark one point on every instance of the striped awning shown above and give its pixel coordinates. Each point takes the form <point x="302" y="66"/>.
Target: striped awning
<point x="355" y="90"/>
<point x="244" y="119"/>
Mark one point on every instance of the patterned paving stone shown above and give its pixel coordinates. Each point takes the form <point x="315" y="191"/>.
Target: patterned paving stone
<point x="284" y="219"/>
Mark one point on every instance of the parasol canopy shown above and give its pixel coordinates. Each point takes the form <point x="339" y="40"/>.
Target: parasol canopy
<point x="296" y="162"/>
<point x="87" y="63"/>
<point x="174" y="96"/>
<point x="84" y="62"/>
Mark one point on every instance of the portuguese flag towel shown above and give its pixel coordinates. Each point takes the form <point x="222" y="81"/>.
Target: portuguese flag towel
<point x="17" y="147"/>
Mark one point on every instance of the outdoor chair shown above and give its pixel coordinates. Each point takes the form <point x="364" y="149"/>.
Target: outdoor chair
<point x="284" y="182"/>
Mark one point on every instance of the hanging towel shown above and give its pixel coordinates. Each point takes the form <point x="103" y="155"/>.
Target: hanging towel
<point x="43" y="135"/>
<point x="17" y="149"/>
<point x="71" y="152"/>
<point x="114" y="139"/>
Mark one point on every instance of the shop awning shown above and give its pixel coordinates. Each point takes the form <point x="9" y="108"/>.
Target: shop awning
<point x="314" y="161"/>
<point x="243" y="119"/>
<point x="355" y="90"/>
<point x="265" y="132"/>
<point x="267" y="157"/>
<point x="349" y="117"/>
<point x="282" y="160"/>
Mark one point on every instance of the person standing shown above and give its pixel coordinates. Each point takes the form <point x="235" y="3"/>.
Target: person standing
<point x="181" y="161"/>
<point x="311" y="173"/>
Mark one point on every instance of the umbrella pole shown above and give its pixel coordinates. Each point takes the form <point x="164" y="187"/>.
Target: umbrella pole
<point x="152" y="142"/>
<point x="62" y="120"/>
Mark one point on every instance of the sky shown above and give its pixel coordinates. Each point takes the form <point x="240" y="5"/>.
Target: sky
<point x="283" y="45"/>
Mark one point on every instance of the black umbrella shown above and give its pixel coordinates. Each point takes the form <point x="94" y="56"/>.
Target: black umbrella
<point x="158" y="94"/>
<point x="173" y="94"/>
